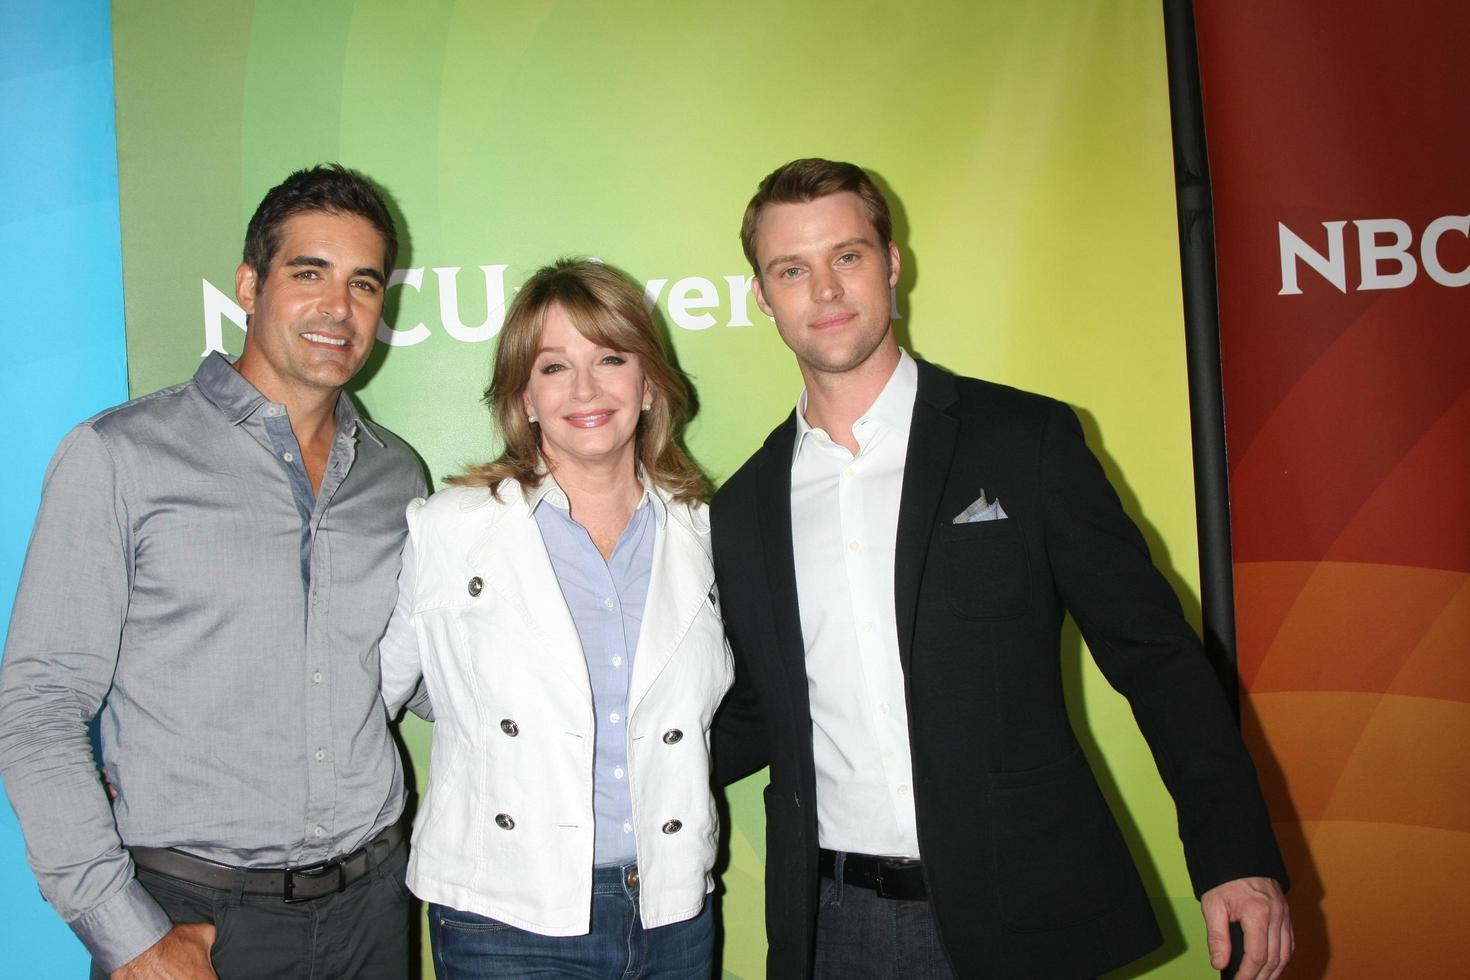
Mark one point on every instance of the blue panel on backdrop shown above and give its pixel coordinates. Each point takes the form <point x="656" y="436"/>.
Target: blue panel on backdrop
<point x="42" y="37"/>
<point x="62" y="328"/>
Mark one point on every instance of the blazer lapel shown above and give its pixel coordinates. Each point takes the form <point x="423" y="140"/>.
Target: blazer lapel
<point x="931" y="448"/>
<point x="773" y="509"/>
<point x="511" y="558"/>
<point x="682" y="579"/>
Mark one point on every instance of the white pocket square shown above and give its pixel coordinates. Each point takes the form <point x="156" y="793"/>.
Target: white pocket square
<point x="981" y="510"/>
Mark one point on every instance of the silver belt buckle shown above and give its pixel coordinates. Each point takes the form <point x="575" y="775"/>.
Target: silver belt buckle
<point x="314" y="872"/>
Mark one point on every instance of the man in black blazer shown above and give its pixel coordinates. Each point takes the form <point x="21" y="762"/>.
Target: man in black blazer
<point x="894" y="566"/>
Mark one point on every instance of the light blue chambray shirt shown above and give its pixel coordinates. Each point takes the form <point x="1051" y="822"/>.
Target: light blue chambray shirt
<point x="606" y="600"/>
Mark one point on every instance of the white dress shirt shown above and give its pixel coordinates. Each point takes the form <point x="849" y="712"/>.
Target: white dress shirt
<point x="844" y="519"/>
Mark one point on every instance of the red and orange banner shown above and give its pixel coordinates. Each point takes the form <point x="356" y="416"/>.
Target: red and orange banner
<point x="1339" y="158"/>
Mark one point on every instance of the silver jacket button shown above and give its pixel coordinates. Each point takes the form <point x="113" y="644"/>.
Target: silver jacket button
<point x="673" y="826"/>
<point x="477" y="585"/>
<point x="673" y="736"/>
<point x="509" y="727"/>
<point x="504" y="822"/>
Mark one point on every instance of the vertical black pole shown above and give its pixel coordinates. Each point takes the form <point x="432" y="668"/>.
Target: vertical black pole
<point x="1202" y="339"/>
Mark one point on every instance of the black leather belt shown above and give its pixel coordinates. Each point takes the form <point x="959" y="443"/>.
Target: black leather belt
<point x="888" y="876"/>
<point x="289" y="884"/>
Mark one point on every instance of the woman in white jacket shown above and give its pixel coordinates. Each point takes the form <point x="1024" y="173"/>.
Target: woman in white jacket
<point x="559" y="604"/>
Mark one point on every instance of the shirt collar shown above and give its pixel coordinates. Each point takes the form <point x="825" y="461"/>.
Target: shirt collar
<point x="238" y="399"/>
<point x="547" y="490"/>
<point x="893" y="408"/>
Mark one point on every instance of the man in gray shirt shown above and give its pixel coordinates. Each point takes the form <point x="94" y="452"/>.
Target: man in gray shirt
<point x="211" y="569"/>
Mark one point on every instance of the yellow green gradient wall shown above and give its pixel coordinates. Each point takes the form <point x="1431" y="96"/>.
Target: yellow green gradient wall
<point x="1026" y="147"/>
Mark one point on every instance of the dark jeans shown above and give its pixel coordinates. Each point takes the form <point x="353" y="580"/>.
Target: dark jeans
<point x="472" y="947"/>
<point x="360" y="933"/>
<point x="861" y="936"/>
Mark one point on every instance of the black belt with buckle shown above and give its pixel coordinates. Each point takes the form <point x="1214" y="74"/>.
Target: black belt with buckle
<point x="289" y="884"/>
<point x="890" y="877"/>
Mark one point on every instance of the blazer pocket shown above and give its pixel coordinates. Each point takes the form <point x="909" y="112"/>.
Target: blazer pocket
<point x="987" y="573"/>
<point x="1058" y="856"/>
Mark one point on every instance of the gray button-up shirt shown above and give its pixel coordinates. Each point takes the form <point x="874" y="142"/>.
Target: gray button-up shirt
<point x="183" y="581"/>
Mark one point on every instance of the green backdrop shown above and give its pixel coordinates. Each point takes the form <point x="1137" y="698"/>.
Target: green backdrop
<point x="1026" y="148"/>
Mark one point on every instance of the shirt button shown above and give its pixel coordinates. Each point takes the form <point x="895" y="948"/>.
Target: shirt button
<point x="847" y="472"/>
<point x="673" y="826"/>
<point x="320" y="755"/>
<point x="868" y="626"/>
<point x="883" y="707"/>
<point x="510" y="728"/>
<point x="608" y="603"/>
<point x="617" y="661"/>
<point x="627" y="827"/>
<point x="317" y="831"/>
<point x="614" y="717"/>
<point x="618" y="773"/>
<point x="672" y="736"/>
<point x="316" y="677"/>
<point x="287" y="457"/>
<point x="504" y="822"/>
<point x="852" y="546"/>
<point x="476" y="586"/>
<point x="903" y="788"/>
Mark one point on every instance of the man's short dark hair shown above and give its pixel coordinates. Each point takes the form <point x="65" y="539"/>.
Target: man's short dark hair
<point x="806" y="180"/>
<point x="329" y="187"/>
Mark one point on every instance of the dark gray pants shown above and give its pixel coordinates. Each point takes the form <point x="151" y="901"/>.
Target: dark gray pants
<point x="361" y="933"/>
<point x="861" y="936"/>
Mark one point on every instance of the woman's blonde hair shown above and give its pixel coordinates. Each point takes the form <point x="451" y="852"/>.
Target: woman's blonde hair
<point x="608" y="309"/>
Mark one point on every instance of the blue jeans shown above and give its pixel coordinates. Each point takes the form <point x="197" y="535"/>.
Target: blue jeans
<point x="861" y="936"/>
<point x="473" y="947"/>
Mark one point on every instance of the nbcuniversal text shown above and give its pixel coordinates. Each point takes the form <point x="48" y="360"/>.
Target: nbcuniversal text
<point x="690" y="303"/>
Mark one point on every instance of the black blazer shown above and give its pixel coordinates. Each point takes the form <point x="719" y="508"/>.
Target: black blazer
<point x="1027" y="870"/>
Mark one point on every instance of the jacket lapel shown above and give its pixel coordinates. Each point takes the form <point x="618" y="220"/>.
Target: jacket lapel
<point x="773" y="509"/>
<point x="682" y="579"/>
<point x="511" y="559"/>
<point x="932" y="439"/>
